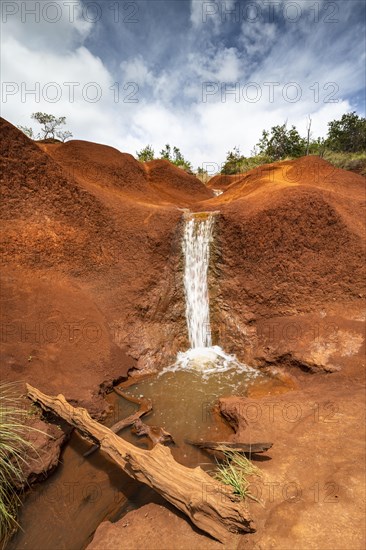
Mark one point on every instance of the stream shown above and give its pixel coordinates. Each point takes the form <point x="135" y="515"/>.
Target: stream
<point x="63" y="512"/>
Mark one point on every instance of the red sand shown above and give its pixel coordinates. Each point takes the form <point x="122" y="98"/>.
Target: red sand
<point x="92" y="287"/>
<point x="85" y="226"/>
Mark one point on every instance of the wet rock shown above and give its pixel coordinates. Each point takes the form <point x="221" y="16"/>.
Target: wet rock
<point x="46" y="441"/>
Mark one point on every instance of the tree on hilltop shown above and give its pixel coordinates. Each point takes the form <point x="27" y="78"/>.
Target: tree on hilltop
<point x="281" y="142"/>
<point x="233" y="163"/>
<point x="28" y="131"/>
<point x="50" y="127"/>
<point x="146" y="154"/>
<point x="173" y="155"/>
<point x="348" y="134"/>
<point x="175" y="158"/>
<point x="166" y="153"/>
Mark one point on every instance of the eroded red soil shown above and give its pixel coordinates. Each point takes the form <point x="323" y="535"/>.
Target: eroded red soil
<point x="92" y="288"/>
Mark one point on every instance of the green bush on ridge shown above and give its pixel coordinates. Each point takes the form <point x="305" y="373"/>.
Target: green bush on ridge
<point x="344" y="146"/>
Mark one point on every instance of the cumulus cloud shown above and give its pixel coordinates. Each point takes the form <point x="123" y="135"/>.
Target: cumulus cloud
<point x="53" y="26"/>
<point x="212" y="82"/>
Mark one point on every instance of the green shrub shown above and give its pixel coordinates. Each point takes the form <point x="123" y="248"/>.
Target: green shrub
<point x="281" y="142"/>
<point x="239" y="164"/>
<point x="355" y="162"/>
<point x="348" y="134"/>
<point x="14" y="449"/>
<point x="235" y="471"/>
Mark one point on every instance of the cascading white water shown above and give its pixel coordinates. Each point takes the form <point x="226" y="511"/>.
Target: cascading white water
<point x="202" y="356"/>
<point x="196" y="249"/>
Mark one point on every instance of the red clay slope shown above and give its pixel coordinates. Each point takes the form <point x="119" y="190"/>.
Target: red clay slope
<point x="88" y="272"/>
<point x="222" y="181"/>
<point x="92" y="235"/>
<point x="291" y="237"/>
<point x="92" y="266"/>
<point x="97" y="167"/>
<point x="174" y="183"/>
<point x="311" y="170"/>
<point x="99" y="164"/>
<point x="49" y="215"/>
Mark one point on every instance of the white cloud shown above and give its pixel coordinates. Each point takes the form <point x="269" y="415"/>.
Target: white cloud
<point x="135" y="70"/>
<point x="258" y="37"/>
<point x="55" y="26"/>
<point x="170" y="108"/>
<point x="213" y="13"/>
<point x="197" y="12"/>
<point x="76" y="79"/>
<point x="223" y="65"/>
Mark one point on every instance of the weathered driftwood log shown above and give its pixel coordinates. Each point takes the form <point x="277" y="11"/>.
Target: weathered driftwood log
<point x="204" y="500"/>
<point x="145" y="406"/>
<point x="154" y="433"/>
<point x="247" y="448"/>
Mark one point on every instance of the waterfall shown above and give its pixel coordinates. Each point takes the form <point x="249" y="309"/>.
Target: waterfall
<point x="202" y="355"/>
<point x="196" y="249"/>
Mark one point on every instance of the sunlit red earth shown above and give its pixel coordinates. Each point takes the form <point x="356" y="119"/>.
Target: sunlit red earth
<point x="92" y="289"/>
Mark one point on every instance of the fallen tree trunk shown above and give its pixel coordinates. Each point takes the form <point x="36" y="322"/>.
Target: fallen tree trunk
<point x="154" y="433"/>
<point x="205" y="501"/>
<point x="247" y="448"/>
<point x="145" y="406"/>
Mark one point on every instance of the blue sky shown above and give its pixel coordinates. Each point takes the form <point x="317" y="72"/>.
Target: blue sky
<point x="203" y="75"/>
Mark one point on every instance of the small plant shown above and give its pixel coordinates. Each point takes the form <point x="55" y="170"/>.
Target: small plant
<point x="50" y="128"/>
<point x="146" y="154"/>
<point x="14" y="450"/>
<point x="235" y="470"/>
